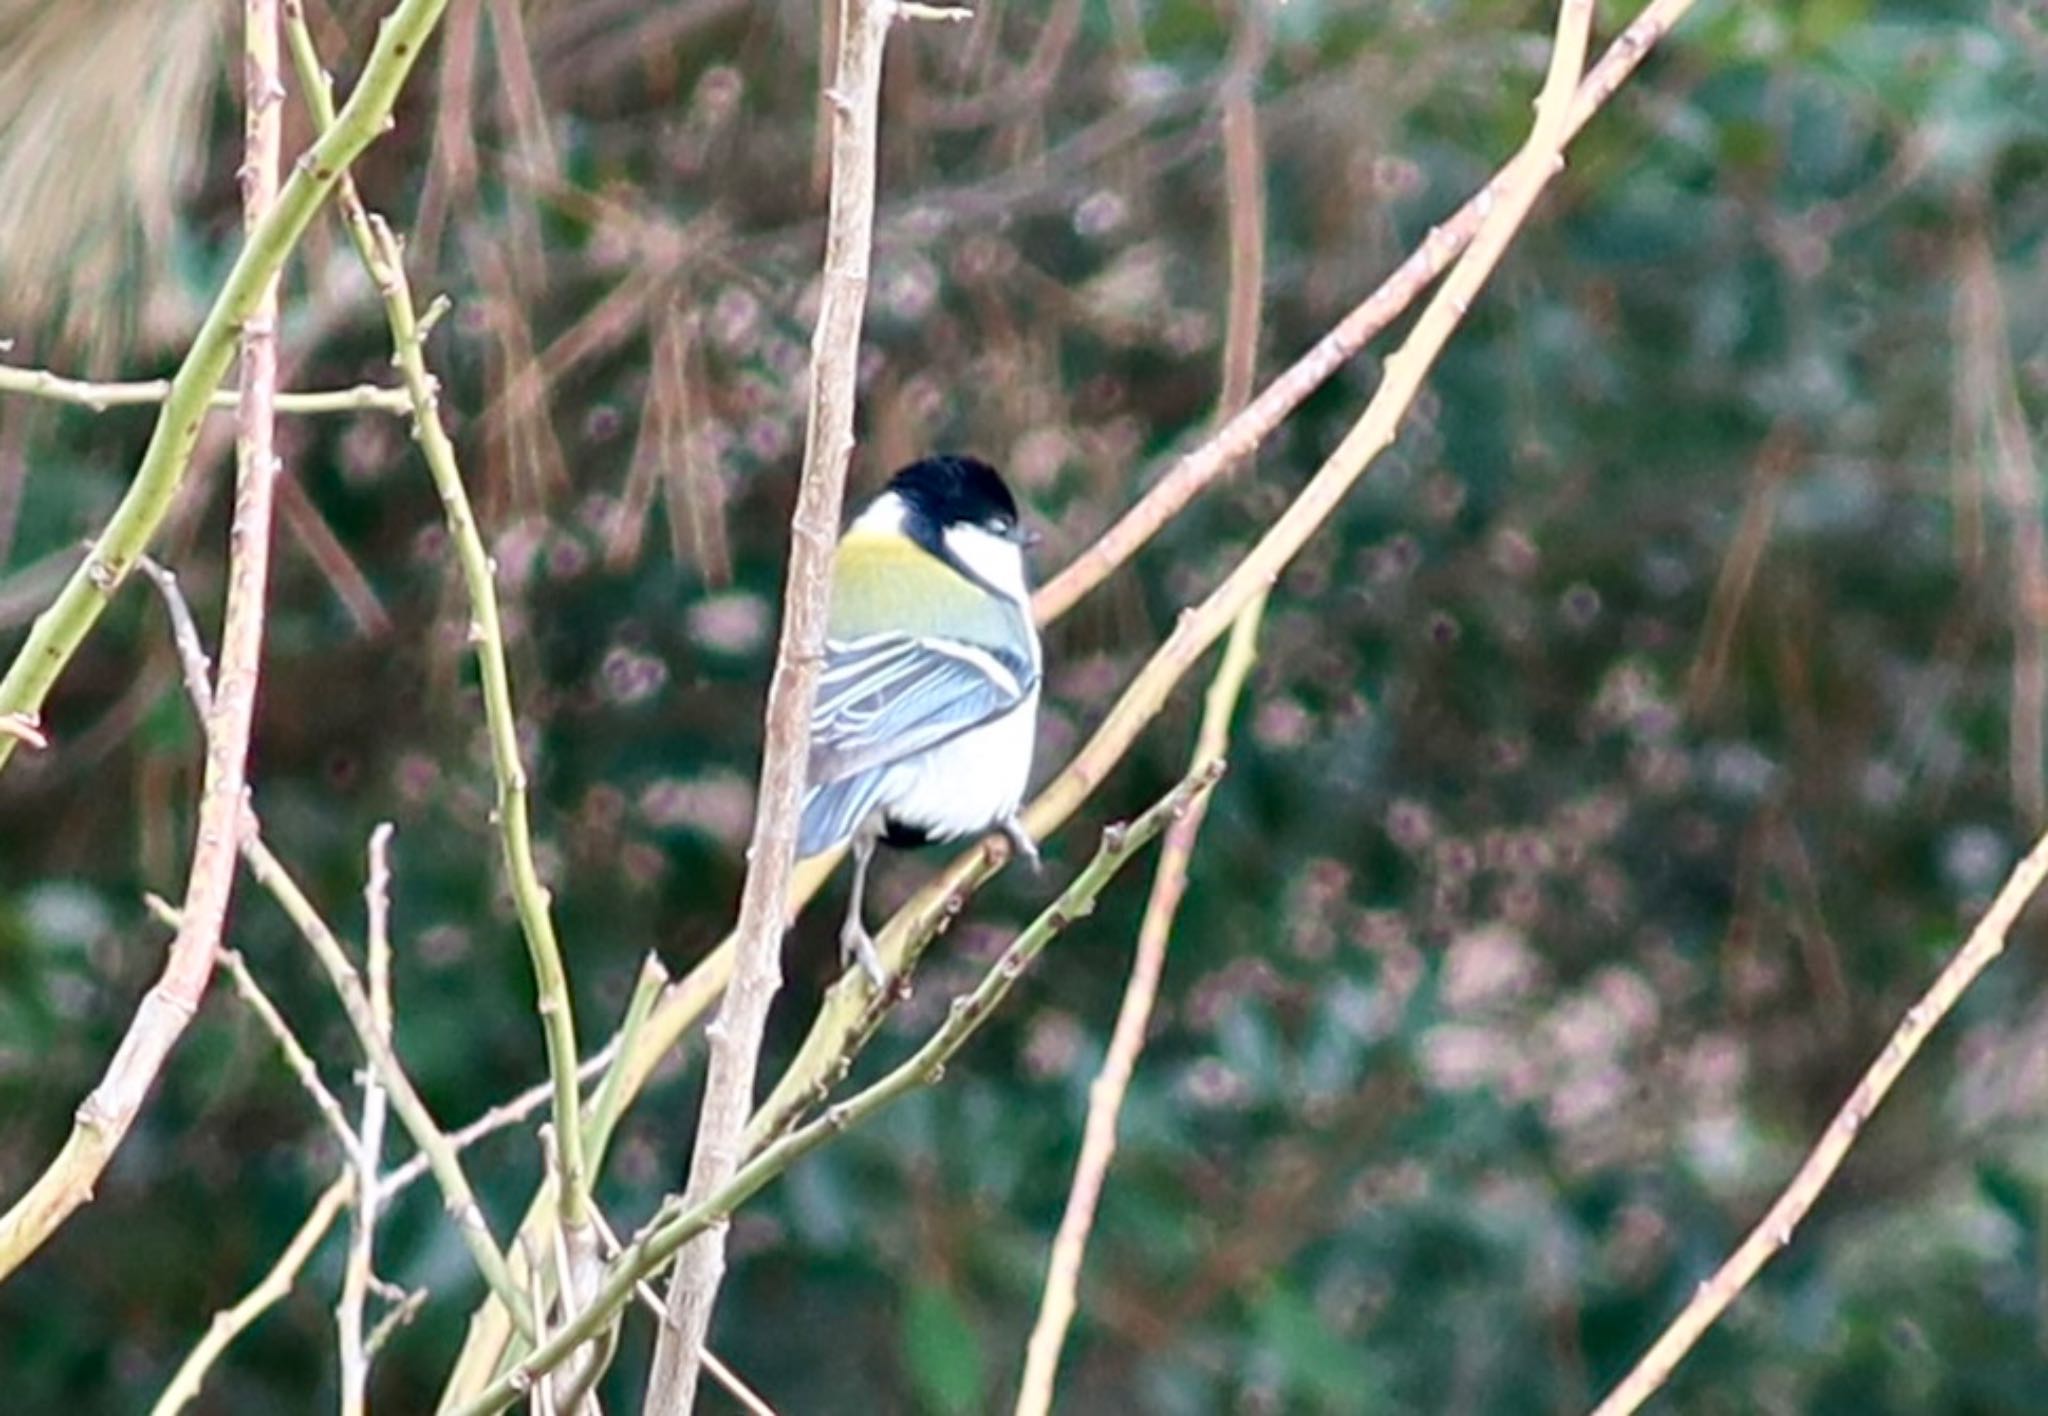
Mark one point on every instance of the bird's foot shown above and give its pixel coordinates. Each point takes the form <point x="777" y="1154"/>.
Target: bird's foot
<point x="1022" y="847"/>
<point x="857" y="946"/>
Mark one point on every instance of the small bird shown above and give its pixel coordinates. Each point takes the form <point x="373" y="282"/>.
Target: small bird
<point x="927" y="700"/>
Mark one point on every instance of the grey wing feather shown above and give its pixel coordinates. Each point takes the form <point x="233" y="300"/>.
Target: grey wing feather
<point x="834" y="811"/>
<point x="888" y="696"/>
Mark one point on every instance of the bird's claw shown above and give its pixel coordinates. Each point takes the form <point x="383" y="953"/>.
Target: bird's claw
<point x="857" y="946"/>
<point x="1022" y="847"/>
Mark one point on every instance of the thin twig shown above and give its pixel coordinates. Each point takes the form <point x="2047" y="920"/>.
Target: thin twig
<point x="85" y="393"/>
<point x="437" y="1147"/>
<point x="295" y="1055"/>
<point x="845" y="1019"/>
<point x="104" y="1117"/>
<point x="752" y="1401"/>
<point x="356" y="1274"/>
<point x="1246" y="207"/>
<point x="1774" y="1232"/>
<point x="437" y="1150"/>
<point x="1134" y="1015"/>
<point x="497" y="1118"/>
<point x="1236" y="440"/>
<point x="63" y="627"/>
<point x="563" y="1390"/>
<point x="230" y="1323"/>
<point x="379" y="251"/>
<point x="676" y="1224"/>
<point x="853" y="101"/>
<point x="686" y="1000"/>
<point x="400" y="1313"/>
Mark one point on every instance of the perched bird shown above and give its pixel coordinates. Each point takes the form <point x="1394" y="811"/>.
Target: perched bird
<point x="928" y="698"/>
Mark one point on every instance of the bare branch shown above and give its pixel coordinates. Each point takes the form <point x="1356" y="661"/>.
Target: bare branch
<point x="84" y="393"/>
<point x="230" y="1323"/>
<point x="1774" y="1231"/>
<point x="1244" y="187"/>
<point x="356" y="1275"/>
<point x="680" y="1221"/>
<point x="64" y="626"/>
<point x="295" y="1055"/>
<point x="855" y="99"/>
<point x="105" y="1116"/>
<point x="1241" y="436"/>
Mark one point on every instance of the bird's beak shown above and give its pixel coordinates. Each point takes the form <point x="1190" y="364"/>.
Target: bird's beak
<point x="1028" y="536"/>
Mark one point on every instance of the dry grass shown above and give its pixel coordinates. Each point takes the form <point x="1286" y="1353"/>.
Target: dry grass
<point x="103" y="106"/>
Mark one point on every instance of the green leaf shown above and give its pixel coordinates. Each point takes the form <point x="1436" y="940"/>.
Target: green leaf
<point x="942" y="1351"/>
<point x="1311" y="1359"/>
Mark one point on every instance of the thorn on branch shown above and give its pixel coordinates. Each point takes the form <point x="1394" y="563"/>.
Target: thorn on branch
<point x="24" y="728"/>
<point x="431" y="316"/>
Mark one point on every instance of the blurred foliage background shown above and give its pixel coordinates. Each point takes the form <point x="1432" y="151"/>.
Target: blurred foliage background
<point x="1622" y="760"/>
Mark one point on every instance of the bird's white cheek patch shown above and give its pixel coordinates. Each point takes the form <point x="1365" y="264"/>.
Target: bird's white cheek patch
<point x="884" y="515"/>
<point x="999" y="562"/>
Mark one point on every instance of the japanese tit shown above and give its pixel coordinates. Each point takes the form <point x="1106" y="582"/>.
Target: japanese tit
<point x="927" y="701"/>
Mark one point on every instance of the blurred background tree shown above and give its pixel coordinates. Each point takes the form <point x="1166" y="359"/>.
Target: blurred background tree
<point x="1620" y="762"/>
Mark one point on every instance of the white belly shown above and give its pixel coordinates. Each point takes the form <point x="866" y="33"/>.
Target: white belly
<point x="967" y="785"/>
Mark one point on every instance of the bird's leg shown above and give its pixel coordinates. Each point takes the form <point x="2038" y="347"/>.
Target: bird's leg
<point x="856" y="945"/>
<point x="1021" y="844"/>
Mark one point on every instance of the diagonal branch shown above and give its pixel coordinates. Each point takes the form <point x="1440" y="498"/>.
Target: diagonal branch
<point x="677" y="1224"/>
<point x="1241" y="436"/>
<point x="1774" y="1231"/>
<point x="295" y="1055"/>
<point x="1244" y="186"/>
<point x="381" y="257"/>
<point x="687" y="999"/>
<point x="854" y="102"/>
<point x="59" y="631"/>
<point x="846" y="1020"/>
<point x="104" y="1118"/>
<point x="231" y="1322"/>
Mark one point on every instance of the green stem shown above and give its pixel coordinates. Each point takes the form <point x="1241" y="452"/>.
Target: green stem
<point x="674" y="1226"/>
<point x="412" y="1111"/>
<point x="59" y="630"/>
<point x="382" y="258"/>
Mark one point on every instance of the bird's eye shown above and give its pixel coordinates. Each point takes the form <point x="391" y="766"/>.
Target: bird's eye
<point x="996" y="526"/>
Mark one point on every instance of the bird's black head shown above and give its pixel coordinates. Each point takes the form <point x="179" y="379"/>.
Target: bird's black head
<point x="955" y="491"/>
